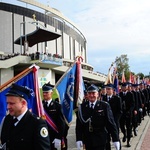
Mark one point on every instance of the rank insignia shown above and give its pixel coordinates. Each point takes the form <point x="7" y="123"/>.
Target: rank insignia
<point x="44" y="132"/>
<point x="52" y="103"/>
<point x="100" y="110"/>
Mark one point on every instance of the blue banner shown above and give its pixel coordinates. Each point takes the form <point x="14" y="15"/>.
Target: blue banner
<point x="116" y="85"/>
<point x="27" y="80"/>
<point x="66" y="92"/>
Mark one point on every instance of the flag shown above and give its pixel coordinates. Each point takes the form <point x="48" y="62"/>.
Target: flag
<point x="109" y="78"/>
<point x="29" y="78"/>
<point x="115" y="80"/>
<point x="116" y="84"/>
<point x="66" y="92"/>
<point x="123" y="77"/>
<point x="79" y="86"/>
<point x="131" y="78"/>
<point x="70" y="82"/>
<point x="138" y="80"/>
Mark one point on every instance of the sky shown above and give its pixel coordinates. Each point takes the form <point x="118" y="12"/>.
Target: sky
<point x="112" y="28"/>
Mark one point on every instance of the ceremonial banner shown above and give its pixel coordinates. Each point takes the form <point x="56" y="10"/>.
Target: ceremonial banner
<point x="109" y="78"/>
<point x="116" y="84"/>
<point x="79" y="86"/>
<point x="123" y="78"/>
<point x="70" y="88"/>
<point x="27" y="78"/>
<point x="66" y="92"/>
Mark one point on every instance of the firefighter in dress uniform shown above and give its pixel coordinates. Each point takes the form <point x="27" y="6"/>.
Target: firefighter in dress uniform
<point x="94" y="118"/>
<point x="54" y="110"/>
<point x="22" y="130"/>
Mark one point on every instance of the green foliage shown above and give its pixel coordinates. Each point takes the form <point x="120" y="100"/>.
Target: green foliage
<point x="122" y="65"/>
<point x="141" y="75"/>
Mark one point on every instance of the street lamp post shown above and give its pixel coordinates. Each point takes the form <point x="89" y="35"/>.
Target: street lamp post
<point x="21" y="35"/>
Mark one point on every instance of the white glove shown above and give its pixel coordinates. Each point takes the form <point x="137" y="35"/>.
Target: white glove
<point x="79" y="145"/>
<point x="140" y="109"/>
<point x="117" y="145"/>
<point x="57" y="143"/>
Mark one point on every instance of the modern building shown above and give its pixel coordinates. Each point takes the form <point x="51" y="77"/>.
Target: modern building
<point x="45" y="37"/>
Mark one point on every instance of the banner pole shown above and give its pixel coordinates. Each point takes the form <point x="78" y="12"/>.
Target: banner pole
<point x="17" y="77"/>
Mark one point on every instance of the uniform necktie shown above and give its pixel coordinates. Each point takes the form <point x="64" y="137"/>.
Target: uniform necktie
<point x="45" y="104"/>
<point x="108" y="99"/>
<point x="92" y="105"/>
<point x="14" y="121"/>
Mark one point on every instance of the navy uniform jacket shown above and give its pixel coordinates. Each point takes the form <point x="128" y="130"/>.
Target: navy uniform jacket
<point x="116" y="105"/>
<point x="55" y="113"/>
<point x="101" y="119"/>
<point x="128" y="103"/>
<point x="29" y="134"/>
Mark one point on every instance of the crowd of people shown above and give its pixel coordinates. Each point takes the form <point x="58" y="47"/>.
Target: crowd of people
<point x="100" y="118"/>
<point x="127" y="109"/>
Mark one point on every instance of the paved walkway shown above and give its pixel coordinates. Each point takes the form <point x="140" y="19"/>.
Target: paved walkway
<point x="140" y="142"/>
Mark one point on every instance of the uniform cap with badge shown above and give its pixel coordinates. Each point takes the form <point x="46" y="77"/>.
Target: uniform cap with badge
<point x="47" y="87"/>
<point x="135" y="85"/>
<point x="110" y="85"/>
<point x="20" y="91"/>
<point x="92" y="88"/>
<point x="124" y="84"/>
<point x="103" y="86"/>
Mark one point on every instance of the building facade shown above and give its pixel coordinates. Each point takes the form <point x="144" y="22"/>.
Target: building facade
<point x="53" y="56"/>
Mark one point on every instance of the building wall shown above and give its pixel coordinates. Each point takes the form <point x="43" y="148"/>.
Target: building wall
<point x="44" y="76"/>
<point x="5" y="31"/>
<point x="6" y="74"/>
<point x="68" y="45"/>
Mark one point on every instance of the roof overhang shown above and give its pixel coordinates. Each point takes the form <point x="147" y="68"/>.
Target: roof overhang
<point x="39" y="35"/>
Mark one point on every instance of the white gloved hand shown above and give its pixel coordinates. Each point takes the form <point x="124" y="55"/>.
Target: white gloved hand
<point x="79" y="145"/>
<point x="57" y="143"/>
<point x="117" y="145"/>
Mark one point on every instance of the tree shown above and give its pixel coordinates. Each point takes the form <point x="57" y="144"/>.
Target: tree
<point x="141" y="75"/>
<point x="122" y="65"/>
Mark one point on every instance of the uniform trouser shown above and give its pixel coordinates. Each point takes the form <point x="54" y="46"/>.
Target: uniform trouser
<point x="65" y="139"/>
<point x="108" y="145"/>
<point x="135" y="121"/>
<point x="139" y="117"/>
<point x="144" y="111"/>
<point x="147" y="108"/>
<point x="102" y="147"/>
<point x="126" y="126"/>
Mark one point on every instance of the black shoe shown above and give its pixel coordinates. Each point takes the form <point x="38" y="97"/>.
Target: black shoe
<point x="128" y="144"/>
<point x="124" y="139"/>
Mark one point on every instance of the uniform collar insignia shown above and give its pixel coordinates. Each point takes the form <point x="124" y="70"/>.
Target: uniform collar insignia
<point x="52" y="103"/>
<point x="100" y="110"/>
<point x="97" y="105"/>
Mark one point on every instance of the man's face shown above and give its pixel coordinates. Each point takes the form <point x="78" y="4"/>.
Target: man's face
<point x="92" y="96"/>
<point x="124" y="88"/>
<point x="103" y="91"/>
<point x="47" y="95"/>
<point x="109" y="91"/>
<point x="15" y="105"/>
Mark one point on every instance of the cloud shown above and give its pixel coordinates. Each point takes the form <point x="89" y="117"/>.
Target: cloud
<point x="112" y="28"/>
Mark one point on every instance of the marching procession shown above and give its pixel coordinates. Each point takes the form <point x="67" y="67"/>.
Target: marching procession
<point x="51" y="98"/>
<point x="100" y="119"/>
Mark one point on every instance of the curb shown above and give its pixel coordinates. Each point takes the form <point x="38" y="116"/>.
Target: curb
<point x="138" y="147"/>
